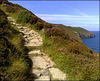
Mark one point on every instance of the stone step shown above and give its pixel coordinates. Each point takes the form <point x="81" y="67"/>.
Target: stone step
<point x="37" y="72"/>
<point x="34" y="40"/>
<point x="30" y="38"/>
<point x="43" y="78"/>
<point x="39" y="43"/>
<point x="20" y="27"/>
<point x="31" y="44"/>
<point x="47" y="59"/>
<point x="40" y="72"/>
<point x="57" y="74"/>
<point x="35" y="52"/>
<point x="39" y="62"/>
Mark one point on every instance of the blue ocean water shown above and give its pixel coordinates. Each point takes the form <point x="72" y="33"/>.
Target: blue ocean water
<point x="93" y="43"/>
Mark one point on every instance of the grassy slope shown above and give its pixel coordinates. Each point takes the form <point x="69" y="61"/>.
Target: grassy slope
<point x="14" y="66"/>
<point x="72" y="57"/>
<point x="69" y="30"/>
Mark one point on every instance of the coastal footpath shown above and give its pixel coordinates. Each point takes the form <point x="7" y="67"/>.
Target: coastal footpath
<point x="43" y="66"/>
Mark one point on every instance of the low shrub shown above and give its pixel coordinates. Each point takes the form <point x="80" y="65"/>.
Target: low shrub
<point x="54" y="31"/>
<point x="39" y="26"/>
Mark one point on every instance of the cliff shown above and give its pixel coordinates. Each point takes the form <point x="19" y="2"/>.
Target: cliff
<point x="83" y="33"/>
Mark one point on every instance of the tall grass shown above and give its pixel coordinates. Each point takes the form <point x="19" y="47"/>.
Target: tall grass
<point x="15" y="65"/>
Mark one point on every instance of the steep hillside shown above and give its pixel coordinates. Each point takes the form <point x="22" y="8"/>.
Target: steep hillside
<point x="14" y="62"/>
<point x="25" y="16"/>
<point x="62" y="44"/>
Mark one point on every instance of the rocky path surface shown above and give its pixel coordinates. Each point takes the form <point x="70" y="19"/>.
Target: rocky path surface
<point x="43" y="67"/>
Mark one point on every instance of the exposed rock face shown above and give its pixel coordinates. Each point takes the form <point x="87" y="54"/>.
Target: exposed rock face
<point x="82" y="33"/>
<point x="86" y="36"/>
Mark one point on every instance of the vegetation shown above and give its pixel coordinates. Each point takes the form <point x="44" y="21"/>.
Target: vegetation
<point x="73" y="58"/>
<point x="14" y="62"/>
<point x="24" y="16"/>
<point x="62" y="43"/>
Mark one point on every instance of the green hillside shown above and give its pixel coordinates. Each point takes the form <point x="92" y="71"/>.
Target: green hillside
<point x="70" y="31"/>
<point x="14" y="62"/>
<point x="62" y="44"/>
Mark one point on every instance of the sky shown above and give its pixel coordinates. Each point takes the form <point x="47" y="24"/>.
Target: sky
<point x="83" y="14"/>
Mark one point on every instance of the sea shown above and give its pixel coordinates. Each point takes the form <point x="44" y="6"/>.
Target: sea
<point x="93" y="43"/>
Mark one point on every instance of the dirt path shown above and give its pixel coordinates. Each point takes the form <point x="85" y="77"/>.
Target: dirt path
<point x="43" y="67"/>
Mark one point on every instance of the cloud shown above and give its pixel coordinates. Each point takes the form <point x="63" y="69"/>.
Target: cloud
<point x="60" y="17"/>
<point x="85" y="21"/>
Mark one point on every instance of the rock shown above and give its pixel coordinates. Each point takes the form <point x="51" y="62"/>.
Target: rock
<point x="30" y="38"/>
<point x="25" y="43"/>
<point x="43" y="78"/>
<point x="45" y="72"/>
<point x="34" y="40"/>
<point x="25" y="27"/>
<point x="39" y="43"/>
<point x="39" y="62"/>
<point x="57" y="74"/>
<point x="49" y="61"/>
<point x="13" y="23"/>
<point x="20" y="27"/>
<point x="25" y="36"/>
<point x="34" y="52"/>
<point x="36" y="72"/>
<point x="40" y="39"/>
<point x="43" y="53"/>
<point x="18" y="24"/>
<point x="31" y="44"/>
<point x="31" y="32"/>
<point x="27" y="33"/>
<point x="11" y="19"/>
<point x="42" y="30"/>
